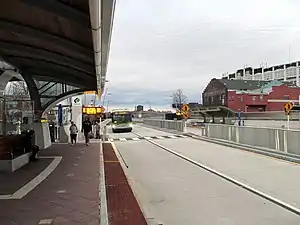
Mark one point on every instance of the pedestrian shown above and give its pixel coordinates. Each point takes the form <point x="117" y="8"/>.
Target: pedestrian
<point x="86" y="129"/>
<point x="73" y="132"/>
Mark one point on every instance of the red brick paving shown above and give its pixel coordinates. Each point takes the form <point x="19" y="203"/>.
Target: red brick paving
<point x="79" y="205"/>
<point x="122" y="206"/>
<point x="11" y="182"/>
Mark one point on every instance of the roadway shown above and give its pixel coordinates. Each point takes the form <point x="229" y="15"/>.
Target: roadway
<point x="172" y="190"/>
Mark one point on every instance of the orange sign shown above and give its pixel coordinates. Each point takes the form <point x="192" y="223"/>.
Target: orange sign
<point x="90" y="92"/>
<point x="185" y="108"/>
<point x="92" y="110"/>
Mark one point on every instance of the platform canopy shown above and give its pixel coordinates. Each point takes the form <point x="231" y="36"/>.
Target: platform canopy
<point x="58" y="46"/>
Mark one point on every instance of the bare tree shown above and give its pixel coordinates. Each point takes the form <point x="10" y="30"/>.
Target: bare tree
<point x="179" y="99"/>
<point x="18" y="89"/>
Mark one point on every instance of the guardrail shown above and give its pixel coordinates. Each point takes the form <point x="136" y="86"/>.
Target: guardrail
<point x="166" y="124"/>
<point x="103" y="129"/>
<point x="281" y="140"/>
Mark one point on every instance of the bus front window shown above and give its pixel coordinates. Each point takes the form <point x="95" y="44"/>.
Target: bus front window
<point x="122" y="118"/>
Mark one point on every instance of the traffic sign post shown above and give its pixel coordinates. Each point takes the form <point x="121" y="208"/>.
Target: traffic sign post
<point x="185" y="108"/>
<point x="287" y="108"/>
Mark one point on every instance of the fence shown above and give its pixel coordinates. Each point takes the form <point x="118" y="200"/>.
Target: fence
<point x="166" y="124"/>
<point x="283" y="140"/>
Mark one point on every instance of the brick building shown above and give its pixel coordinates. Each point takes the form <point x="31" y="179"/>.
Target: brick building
<point x="250" y="95"/>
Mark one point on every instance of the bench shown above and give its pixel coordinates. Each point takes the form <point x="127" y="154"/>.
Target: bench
<point x="14" y="152"/>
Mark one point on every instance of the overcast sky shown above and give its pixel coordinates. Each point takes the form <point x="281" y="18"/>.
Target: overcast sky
<point x="159" y="46"/>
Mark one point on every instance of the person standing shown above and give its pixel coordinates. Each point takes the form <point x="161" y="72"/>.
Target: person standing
<point x="86" y="129"/>
<point x="73" y="132"/>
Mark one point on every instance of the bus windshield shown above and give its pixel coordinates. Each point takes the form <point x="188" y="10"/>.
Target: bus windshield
<point x="121" y="118"/>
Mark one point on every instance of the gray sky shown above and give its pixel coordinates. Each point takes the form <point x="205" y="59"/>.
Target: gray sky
<point x="159" y="46"/>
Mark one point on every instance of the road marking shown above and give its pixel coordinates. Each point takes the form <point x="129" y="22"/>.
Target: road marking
<point x="23" y="191"/>
<point x="180" y="135"/>
<point x="148" y="138"/>
<point x="61" y="191"/>
<point x="75" y="164"/>
<point x="102" y="189"/>
<point x="135" y="139"/>
<point x="232" y="180"/>
<point x="70" y="175"/>
<point x="46" y="221"/>
<point x="122" y="139"/>
<point x="171" y="136"/>
<point x="237" y="148"/>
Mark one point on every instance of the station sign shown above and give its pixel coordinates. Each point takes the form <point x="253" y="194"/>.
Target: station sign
<point x="92" y="110"/>
<point x="90" y="92"/>
<point x="77" y="101"/>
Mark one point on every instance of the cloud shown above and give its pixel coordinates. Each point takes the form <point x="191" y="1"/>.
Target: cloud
<point x="160" y="46"/>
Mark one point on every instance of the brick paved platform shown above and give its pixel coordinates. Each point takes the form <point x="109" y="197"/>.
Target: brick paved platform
<point x="122" y="206"/>
<point x="69" y="196"/>
<point x="11" y="182"/>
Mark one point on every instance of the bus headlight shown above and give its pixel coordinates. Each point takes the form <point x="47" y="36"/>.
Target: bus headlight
<point x="113" y="126"/>
<point x="130" y="124"/>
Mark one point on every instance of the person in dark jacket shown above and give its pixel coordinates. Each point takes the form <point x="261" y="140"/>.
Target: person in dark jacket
<point x="86" y="129"/>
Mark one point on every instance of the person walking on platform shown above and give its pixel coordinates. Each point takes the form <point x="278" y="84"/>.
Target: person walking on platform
<point x="73" y="132"/>
<point x="86" y="129"/>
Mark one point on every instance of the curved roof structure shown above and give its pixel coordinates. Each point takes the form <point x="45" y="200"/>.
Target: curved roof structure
<point x="54" y="40"/>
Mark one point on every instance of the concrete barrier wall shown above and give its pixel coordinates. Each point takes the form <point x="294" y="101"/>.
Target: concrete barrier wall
<point x="271" y="138"/>
<point x="166" y="124"/>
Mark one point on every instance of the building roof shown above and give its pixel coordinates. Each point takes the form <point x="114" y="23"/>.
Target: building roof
<point x="242" y="84"/>
<point x="254" y="86"/>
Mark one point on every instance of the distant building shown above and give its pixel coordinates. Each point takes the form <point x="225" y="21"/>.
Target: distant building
<point x="139" y="108"/>
<point x="284" y="72"/>
<point x="250" y="95"/>
<point x="194" y="105"/>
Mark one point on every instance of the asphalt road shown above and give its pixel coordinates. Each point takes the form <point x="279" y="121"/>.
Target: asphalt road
<point x="174" y="191"/>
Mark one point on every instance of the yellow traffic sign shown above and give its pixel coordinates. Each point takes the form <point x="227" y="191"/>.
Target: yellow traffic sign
<point x="288" y="106"/>
<point x="185" y="115"/>
<point x="185" y="108"/>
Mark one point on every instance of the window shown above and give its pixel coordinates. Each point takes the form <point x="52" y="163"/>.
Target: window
<point x="286" y="97"/>
<point x="253" y="98"/>
<point x="261" y="97"/>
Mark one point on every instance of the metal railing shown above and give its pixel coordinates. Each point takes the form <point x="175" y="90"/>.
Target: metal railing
<point x="166" y="124"/>
<point x="103" y="129"/>
<point x="282" y="140"/>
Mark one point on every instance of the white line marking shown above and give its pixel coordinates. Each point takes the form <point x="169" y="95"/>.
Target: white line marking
<point x="234" y="181"/>
<point x="61" y="191"/>
<point x="135" y="139"/>
<point x="171" y="136"/>
<point x="23" y="191"/>
<point x="46" y="221"/>
<point x="75" y="164"/>
<point x="148" y="138"/>
<point x="122" y="139"/>
<point x="159" y="137"/>
<point x="5" y="197"/>
<point x="70" y="175"/>
<point x="102" y="190"/>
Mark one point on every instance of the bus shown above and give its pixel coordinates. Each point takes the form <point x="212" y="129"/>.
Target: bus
<point x="121" y="121"/>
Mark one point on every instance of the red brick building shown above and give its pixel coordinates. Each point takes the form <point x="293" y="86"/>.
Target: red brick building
<point x="250" y="95"/>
